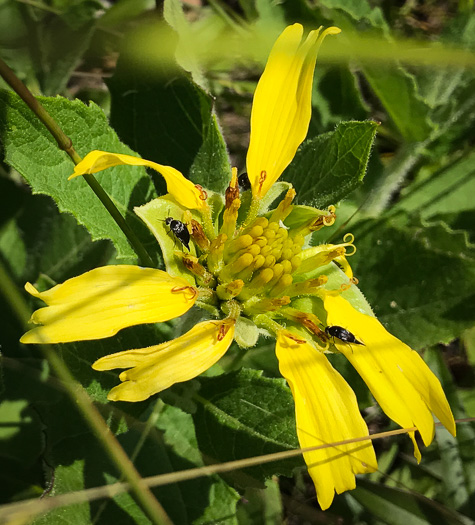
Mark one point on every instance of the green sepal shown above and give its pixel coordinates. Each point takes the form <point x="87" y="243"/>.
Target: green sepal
<point x="336" y="278"/>
<point x="246" y="334"/>
<point x="301" y="215"/>
<point x="154" y="214"/>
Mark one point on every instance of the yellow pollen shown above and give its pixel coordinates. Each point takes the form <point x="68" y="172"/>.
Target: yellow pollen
<point x="231" y="270"/>
<point x="287" y="266"/>
<point x="270" y="260"/>
<point x="262" y="278"/>
<point x="284" y="282"/>
<point x="295" y="262"/>
<point x="266" y="250"/>
<point x="254" y="249"/>
<point x="259" y="261"/>
<point x="256" y="231"/>
<point x="238" y="244"/>
<point x="261" y="241"/>
<point x="287" y="253"/>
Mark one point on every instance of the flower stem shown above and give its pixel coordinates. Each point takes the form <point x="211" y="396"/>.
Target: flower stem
<point x="65" y="143"/>
<point x="90" y="413"/>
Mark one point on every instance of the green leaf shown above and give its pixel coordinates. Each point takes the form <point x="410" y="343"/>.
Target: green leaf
<point x="418" y="279"/>
<point x="263" y="506"/>
<point x="398" y="91"/>
<point x="158" y="111"/>
<point x="440" y="86"/>
<point x="336" y="98"/>
<point x="457" y="454"/>
<point x="62" y="41"/>
<point x="242" y="415"/>
<point x="448" y="191"/>
<point x="185" y="52"/>
<point x="30" y="149"/>
<point x="400" y="507"/>
<point x="327" y="168"/>
<point x="396" y="88"/>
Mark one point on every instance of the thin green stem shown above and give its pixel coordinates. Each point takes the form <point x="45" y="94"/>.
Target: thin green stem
<point x="65" y="143"/>
<point x="92" y="416"/>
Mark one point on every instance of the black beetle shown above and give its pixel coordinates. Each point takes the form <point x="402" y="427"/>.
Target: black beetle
<point x="180" y="231"/>
<point x="342" y="334"/>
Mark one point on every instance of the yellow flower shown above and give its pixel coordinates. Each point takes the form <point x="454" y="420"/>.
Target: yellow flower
<point x="101" y="302"/>
<point x="255" y="276"/>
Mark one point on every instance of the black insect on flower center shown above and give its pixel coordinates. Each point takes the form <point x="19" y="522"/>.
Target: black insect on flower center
<point x="342" y="334"/>
<point x="180" y="231"/>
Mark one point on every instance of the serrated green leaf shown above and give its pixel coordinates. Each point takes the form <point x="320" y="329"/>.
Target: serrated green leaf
<point x="400" y="507"/>
<point x="418" y="279"/>
<point x="30" y="149"/>
<point x="398" y="91"/>
<point x="327" y="168"/>
<point x="241" y="415"/>
<point x="68" y="479"/>
<point x="165" y="117"/>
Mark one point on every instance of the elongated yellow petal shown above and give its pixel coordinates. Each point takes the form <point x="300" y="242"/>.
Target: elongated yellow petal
<point x="326" y="411"/>
<point x="183" y="190"/>
<point x="158" y="367"/>
<point x="401" y="382"/>
<point x="282" y="106"/>
<point x="101" y="302"/>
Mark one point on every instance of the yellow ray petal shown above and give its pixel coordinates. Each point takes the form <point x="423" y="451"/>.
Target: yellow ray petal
<point x="101" y="302"/>
<point x="401" y="382"/>
<point x="182" y="189"/>
<point x="158" y="367"/>
<point x="282" y="106"/>
<point x="326" y="411"/>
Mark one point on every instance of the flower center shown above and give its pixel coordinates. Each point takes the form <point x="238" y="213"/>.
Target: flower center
<point x="257" y="268"/>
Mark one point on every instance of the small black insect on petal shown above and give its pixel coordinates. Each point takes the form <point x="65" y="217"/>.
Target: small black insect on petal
<point x="244" y="182"/>
<point x="342" y="334"/>
<point x="180" y="231"/>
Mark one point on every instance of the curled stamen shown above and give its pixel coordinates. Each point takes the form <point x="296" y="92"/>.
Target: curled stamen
<point x="329" y="220"/>
<point x="262" y="179"/>
<point x="193" y="291"/>
<point x="348" y="240"/>
<point x="203" y="194"/>
<point x="345" y="286"/>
